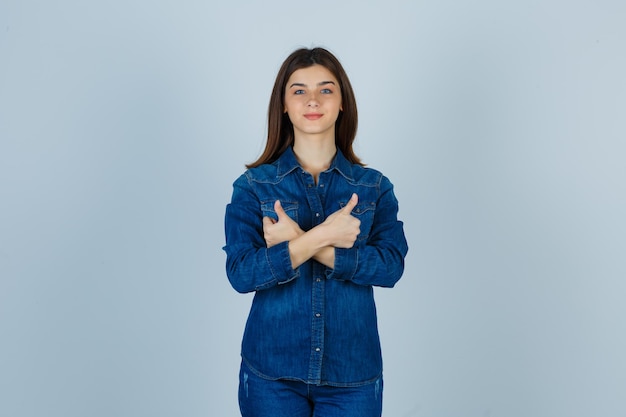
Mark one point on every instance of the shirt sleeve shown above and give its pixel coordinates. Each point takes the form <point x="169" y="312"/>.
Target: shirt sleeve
<point x="379" y="260"/>
<point x="250" y="264"/>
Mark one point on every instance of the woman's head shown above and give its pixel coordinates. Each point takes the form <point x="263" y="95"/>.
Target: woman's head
<point x="280" y="129"/>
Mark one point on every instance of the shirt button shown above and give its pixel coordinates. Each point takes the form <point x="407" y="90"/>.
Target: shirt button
<point x="317" y="214"/>
<point x="318" y="315"/>
<point x="322" y="185"/>
<point x="317" y="349"/>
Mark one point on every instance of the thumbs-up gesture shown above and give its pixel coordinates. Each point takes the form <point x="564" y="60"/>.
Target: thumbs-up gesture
<point x="342" y="227"/>
<point x="281" y="230"/>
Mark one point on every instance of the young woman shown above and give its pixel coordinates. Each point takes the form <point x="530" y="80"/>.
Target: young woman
<point x="310" y="230"/>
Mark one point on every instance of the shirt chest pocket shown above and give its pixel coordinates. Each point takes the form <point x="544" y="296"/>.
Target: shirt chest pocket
<point x="364" y="211"/>
<point x="290" y="207"/>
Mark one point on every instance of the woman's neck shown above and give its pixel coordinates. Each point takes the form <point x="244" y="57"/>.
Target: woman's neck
<point x="314" y="156"/>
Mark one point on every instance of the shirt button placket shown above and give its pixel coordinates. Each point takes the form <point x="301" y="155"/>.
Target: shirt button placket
<point x="318" y="284"/>
<point x="317" y="328"/>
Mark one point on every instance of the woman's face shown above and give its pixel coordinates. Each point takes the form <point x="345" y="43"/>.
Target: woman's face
<point x="313" y="101"/>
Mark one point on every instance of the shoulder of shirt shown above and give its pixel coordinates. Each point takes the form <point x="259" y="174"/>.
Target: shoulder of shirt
<point x="265" y="170"/>
<point x="366" y="174"/>
<point x="262" y="173"/>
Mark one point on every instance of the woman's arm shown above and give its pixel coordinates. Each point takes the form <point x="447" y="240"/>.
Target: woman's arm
<point x="250" y="264"/>
<point x="339" y="230"/>
<point x="380" y="259"/>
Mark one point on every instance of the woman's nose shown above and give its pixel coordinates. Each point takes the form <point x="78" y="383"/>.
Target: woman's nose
<point x="313" y="102"/>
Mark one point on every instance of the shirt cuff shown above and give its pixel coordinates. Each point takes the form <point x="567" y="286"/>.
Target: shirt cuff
<point x="280" y="263"/>
<point x="346" y="261"/>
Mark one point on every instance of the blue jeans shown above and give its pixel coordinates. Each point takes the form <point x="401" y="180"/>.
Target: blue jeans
<point x="259" y="397"/>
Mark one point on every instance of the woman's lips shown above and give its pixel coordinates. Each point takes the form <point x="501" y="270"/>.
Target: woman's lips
<point x="313" y="116"/>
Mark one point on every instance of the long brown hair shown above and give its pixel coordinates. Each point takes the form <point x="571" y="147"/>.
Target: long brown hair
<point x="280" y="130"/>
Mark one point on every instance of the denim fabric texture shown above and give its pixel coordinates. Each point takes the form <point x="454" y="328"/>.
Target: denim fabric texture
<point x="260" y="397"/>
<point x="313" y="324"/>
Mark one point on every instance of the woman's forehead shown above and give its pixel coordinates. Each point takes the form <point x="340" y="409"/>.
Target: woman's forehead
<point x="314" y="74"/>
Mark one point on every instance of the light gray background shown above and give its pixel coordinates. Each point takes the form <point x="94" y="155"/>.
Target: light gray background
<point x="502" y="125"/>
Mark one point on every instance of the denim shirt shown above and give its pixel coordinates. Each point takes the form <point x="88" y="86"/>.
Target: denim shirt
<point x="314" y="323"/>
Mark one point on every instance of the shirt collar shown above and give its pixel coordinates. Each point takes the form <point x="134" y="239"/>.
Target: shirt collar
<point x="288" y="162"/>
<point x="342" y="165"/>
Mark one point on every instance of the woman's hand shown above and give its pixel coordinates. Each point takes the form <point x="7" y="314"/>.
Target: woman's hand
<point x="341" y="227"/>
<point x="281" y="230"/>
<point x="339" y="230"/>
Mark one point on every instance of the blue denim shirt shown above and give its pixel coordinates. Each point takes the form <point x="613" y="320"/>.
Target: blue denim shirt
<point x="313" y="323"/>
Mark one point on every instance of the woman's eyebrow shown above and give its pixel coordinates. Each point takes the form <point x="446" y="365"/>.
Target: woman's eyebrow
<point x="321" y="83"/>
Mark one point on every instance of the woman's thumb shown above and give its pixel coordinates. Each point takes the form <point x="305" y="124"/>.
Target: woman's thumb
<point x="278" y="208"/>
<point x="351" y="203"/>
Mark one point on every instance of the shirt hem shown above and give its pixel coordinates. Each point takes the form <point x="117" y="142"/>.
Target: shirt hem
<point x="310" y="382"/>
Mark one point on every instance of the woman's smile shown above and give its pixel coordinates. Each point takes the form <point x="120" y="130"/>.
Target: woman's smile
<point x="313" y="116"/>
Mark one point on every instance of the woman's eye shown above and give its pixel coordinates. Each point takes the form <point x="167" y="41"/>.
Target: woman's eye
<point x="299" y="92"/>
<point x="327" y="91"/>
